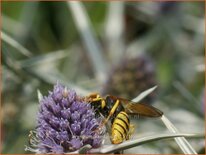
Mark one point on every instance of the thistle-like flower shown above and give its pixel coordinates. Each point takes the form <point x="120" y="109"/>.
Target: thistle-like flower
<point x="66" y="122"/>
<point x="131" y="77"/>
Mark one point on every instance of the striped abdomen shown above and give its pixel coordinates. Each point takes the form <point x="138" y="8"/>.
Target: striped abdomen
<point x="120" y="128"/>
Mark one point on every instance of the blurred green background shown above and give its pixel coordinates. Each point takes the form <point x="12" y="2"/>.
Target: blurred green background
<point x="120" y="48"/>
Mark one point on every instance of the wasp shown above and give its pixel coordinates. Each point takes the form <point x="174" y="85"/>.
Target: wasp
<point x="117" y="111"/>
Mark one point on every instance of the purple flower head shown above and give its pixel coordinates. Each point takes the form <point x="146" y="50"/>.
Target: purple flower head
<point x="65" y="123"/>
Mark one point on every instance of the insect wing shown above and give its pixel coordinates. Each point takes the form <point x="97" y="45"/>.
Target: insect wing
<point x="142" y="110"/>
<point x="133" y="108"/>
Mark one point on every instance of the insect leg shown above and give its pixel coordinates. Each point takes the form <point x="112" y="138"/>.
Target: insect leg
<point x="111" y="112"/>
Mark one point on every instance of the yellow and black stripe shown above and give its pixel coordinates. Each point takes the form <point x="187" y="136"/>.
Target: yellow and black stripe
<point x="120" y="128"/>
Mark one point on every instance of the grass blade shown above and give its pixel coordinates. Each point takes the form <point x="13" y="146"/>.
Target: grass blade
<point x="181" y="141"/>
<point x="140" y="141"/>
<point x="55" y="76"/>
<point x="93" y="47"/>
<point x="144" y="94"/>
<point x="15" y="44"/>
<point x="39" y="95"/>
<point x="12" y="26"/>
<point x="114" y="31"/>
<point x="43" y="59"/>
<point x="186" y="93"/>
<point x="27" y="17"/>
<point x="50" y="78"/>
<point x="133" y="143"/>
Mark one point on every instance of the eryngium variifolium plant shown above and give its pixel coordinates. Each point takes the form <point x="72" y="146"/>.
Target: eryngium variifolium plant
<point x="131" y="77"/>
<point x="65" y="123"/>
